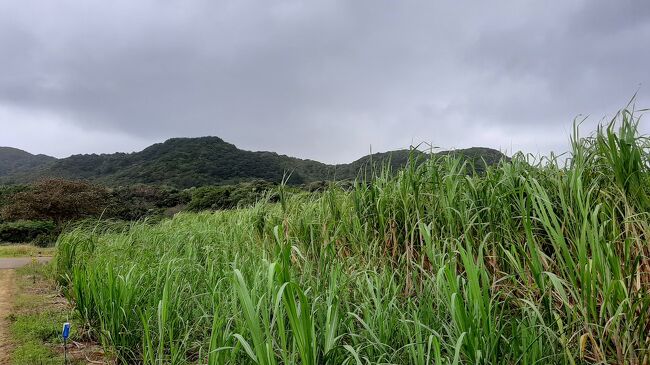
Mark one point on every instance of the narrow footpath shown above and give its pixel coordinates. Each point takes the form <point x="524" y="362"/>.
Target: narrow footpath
<point x="7" y="288"/>
<point x="7" y="291"/>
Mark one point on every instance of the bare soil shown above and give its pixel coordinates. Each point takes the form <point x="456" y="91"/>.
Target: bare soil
<point x="7" y="290"/>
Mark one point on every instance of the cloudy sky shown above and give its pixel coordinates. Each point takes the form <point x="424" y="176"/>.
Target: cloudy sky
<point x="316" y="79"/>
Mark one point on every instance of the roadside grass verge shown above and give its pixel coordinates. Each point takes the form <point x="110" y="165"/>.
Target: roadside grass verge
<point x="36" y="321"/>
<point x="25" y="250"/>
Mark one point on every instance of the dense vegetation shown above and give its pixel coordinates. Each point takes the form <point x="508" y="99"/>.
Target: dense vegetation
<point x="527" y="263"/>
<point x="229" y="196"/>
<point x="15" y="161"/>
<point x="105" y="185"/>
<point x="195" y="162"/>
<point x="40" y="232"/>
<point x="39" y="212"/>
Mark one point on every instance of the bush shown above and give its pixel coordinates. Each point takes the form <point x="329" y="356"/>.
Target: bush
<point x="41" y="232"/>
<point x="139" y="201"/>
<point x="57" y="200"/>
<point x="7" y="193"/>
<point x="229" y="196"/>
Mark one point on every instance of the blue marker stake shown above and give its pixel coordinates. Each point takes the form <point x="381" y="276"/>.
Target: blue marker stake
<point x="66" y="330"/>
<point x="65" y="334"/>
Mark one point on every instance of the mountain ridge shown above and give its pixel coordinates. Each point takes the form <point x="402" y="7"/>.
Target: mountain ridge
<point x="13" y="160"/>
<point x="185" y="162"/>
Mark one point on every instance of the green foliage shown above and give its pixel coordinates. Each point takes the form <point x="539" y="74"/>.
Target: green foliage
<point x="479" y="158"/>
<point x="7" y="193"/>
<point x="141" y="201"/>
<point x="229" y="196"/>
<point x="194" y="162"/>
<point x="28" y="231"/>
<point x="35" y="321"/>
<point x="624" y="155"/>
<point x="15" y="161"/>
<point x="57" y="200"/>
<point x="13" y="250"/>
<point x="524" y="263"/>
<point x="64" y="201"/>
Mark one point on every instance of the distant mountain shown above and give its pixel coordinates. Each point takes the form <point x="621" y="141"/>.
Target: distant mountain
<point x="14" y="161"/>
<point x="187" y="162"/>
<point x="479" y="157"/>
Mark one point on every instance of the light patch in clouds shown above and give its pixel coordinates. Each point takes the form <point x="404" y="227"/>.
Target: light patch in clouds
<point x="321" y="79"/>
<point x="43" y="133"/>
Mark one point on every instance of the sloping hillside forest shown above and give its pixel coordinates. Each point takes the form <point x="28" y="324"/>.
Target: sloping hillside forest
<point x="56" y="194"/>
<point x="529" y="262"/>
<point x="184" y="163"/>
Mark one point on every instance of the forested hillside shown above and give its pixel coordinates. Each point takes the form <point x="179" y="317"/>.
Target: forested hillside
<point x="188" y="162"/>
<point x="15" y="161"/>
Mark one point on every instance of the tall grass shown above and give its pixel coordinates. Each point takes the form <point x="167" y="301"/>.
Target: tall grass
<point x="528" y="263"/>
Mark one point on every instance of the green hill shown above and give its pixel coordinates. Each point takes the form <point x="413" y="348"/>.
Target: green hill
<point x="187" y="162"/>
<point x="15" y="161"/>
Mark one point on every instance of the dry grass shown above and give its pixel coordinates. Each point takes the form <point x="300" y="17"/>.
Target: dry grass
<point x="25" y="250"/>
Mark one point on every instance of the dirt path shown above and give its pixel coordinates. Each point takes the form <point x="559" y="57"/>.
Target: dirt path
<point x="7" y="291"/>
<point x="7" y="288"/>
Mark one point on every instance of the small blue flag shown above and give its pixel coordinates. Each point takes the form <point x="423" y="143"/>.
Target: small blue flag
<point x="66" y="330"/>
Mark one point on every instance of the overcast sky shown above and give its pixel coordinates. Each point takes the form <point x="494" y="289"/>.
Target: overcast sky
<point x="316" y="79"/>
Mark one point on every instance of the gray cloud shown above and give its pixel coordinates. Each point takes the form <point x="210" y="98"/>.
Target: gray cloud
<point x="318" y="79"/>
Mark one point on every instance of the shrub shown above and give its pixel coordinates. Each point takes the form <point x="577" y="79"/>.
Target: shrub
<point x="229" y="196"/>
<point x="57" y="200"/>
<point x="27" y="231"/>
<point x="8" y="191"/>
<point x="139" y="201"/>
